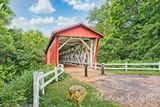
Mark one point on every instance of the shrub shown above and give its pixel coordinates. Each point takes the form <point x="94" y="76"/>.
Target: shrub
<point x="20" y="90"/>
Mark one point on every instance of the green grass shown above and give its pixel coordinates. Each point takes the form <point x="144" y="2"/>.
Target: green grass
<point x="135" y="72"/>
<point x="57" y="95"/>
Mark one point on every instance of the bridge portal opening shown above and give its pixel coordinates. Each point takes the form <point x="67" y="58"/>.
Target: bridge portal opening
<point x="77" y="44"/>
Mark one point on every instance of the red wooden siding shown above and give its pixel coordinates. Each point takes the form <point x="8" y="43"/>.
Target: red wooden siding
<point x="96" y="50"/>
<point x="78" y="30"/>
<point x="52" y="53"/>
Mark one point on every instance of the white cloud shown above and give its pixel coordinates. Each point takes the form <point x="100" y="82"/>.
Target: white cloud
<point x="40" y="20"/>
<point x="45" y="25"/>
<point x="42" y="7"/>
<point x="83" y="5"/>
<point x="64" y="21"/>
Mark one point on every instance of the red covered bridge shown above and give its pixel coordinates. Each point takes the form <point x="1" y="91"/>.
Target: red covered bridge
<point x="73" y="44"/>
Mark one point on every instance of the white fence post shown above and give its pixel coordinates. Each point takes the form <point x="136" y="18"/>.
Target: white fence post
<point x="36" y="89"/>
<point x="42" y="82"/>
<point x="159" y="65"/>
<point x="62" y="67"/>
<point x="56" y="73"/>
<point x="126" y="66"/>
<point x="39" y="84"/>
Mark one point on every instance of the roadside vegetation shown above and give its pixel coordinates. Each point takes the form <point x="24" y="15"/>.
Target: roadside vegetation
<point x="19" y="91"/>
<point x="57" y="95"/>
<point x="21" y="53"/>
<point x="134" y="72"/>
<point x="131" y="30"/>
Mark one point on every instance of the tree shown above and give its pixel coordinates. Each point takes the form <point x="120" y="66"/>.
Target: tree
<point x="6" y="13"/>
<point x="6" y="44"/>
<point x="131" y="29"/>
<point x="30" y="49"/>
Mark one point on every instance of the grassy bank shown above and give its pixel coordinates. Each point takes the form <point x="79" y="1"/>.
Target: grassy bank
<point x="135" y="72"/>
<point x="57" y="95"/>
<point x="19" y="91"/>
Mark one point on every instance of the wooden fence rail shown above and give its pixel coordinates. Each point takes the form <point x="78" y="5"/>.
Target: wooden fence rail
<point x="39" y="83"/>
<point x="119" y="66"/>
<point x="129" y="66"/>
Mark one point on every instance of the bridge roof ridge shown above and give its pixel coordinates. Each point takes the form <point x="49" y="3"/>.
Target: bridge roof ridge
<point x="54" y="33"/>
<point x="75" y="25"/>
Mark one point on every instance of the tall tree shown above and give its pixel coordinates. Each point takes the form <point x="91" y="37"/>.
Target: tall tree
<point x="131" y="29"/>
<point x="6" y="13"/>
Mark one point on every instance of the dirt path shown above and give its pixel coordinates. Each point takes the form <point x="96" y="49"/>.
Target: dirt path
<point x="128" y="90"/>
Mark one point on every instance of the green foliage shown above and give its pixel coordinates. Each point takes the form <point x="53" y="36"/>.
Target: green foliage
<point x="6" y="46"/>
<point x="19" y="91"/>
<point x="135" y="72"/>
<point x="20" y="51"/>
<point x="131" y="29"/>
<point x="30" y="48"/>
<point x="6" y="13"/>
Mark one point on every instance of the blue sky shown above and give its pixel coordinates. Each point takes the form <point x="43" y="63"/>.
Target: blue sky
<point x="49" y="15"/>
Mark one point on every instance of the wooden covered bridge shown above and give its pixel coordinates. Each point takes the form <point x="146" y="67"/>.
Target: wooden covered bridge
<point x="77" y="44"/>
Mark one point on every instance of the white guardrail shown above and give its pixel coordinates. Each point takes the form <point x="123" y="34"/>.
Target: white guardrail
<point x="129" y="66"/>
<point x="119" y="66"/>
<point x="39" y="84"/>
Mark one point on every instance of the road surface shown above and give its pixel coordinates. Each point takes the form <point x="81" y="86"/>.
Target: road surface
<point x="127" y="90"/>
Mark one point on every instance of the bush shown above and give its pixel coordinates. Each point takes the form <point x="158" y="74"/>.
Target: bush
<point x="20" y="90"/>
